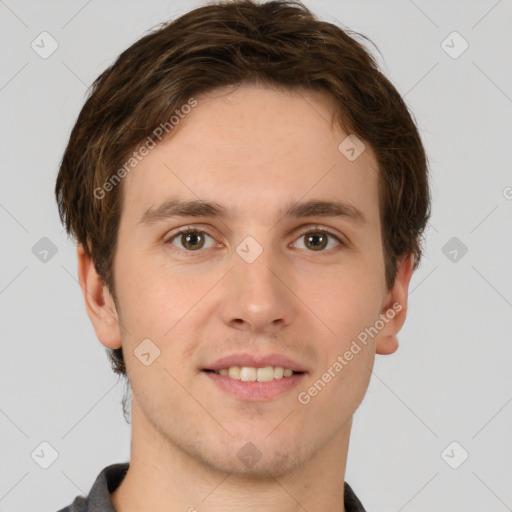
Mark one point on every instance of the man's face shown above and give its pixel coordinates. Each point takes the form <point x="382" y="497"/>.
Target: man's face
<point x="212" y="294"/>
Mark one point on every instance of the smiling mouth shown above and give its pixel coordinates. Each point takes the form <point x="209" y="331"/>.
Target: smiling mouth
<point x="252" y="374"/>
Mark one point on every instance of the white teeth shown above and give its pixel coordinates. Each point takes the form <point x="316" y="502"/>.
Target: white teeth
<point x="250" y="374"/>
<point x="265" y="374"/>
<point x="234" y="372"/>
<point x="278" y="372"/>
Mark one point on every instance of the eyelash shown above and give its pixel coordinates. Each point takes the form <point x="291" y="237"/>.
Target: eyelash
<point x="194" y="229"/>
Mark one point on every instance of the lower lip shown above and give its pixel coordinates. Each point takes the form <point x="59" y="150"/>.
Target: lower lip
<point x="255" y="391"/>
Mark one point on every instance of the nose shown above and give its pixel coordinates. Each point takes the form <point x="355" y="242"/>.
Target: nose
<point x="257" y="296"/>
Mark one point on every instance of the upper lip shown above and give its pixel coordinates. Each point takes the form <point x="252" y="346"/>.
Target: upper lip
<point x="255" y="361"/>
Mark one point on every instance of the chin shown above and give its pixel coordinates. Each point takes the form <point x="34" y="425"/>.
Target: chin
<point x="259" y="461"/>
<point x="268" y="467"/>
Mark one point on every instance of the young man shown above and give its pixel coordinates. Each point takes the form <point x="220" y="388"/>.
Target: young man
<point x="248" y="193"/>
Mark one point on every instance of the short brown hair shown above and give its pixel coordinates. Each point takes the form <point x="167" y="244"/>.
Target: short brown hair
<point x="277" y="43"/>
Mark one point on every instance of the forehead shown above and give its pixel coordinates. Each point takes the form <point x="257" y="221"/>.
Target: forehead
<point x="254" y="149"/>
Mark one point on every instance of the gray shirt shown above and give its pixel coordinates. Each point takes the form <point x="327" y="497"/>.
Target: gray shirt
<point x="110" y="477"/>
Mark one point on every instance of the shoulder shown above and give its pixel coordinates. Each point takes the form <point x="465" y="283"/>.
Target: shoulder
<point x="352" y="503"/>
<point x="98" y="499"/>
<point x="79" y="505"/>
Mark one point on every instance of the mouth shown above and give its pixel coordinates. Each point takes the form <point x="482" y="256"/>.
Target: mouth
<point x="254" y="374"/>
<point x="257" y="384"/>
<point x="257" y="377"/>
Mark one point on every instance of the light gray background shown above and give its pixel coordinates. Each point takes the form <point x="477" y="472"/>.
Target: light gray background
<point x="450" y="379"/>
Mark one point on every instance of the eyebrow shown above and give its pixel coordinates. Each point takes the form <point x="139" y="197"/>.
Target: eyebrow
<point x="174" y="207"/>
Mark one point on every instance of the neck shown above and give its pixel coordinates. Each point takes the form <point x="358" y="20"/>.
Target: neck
<point x="163" y="476"/>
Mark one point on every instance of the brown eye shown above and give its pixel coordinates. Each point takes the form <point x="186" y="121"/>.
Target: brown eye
<point x="190" y="240"/>
<point x="193" y="240"/>
<point x="316" y="241"/>
<point x="319" y="240"/>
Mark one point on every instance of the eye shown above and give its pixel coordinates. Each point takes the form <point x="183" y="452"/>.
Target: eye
<point x="190" y="239"/>
<point x="318" y="239"/>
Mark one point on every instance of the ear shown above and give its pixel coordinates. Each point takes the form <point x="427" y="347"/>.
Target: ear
<point x="395" y="307"/>
<point x="99" y="303"/>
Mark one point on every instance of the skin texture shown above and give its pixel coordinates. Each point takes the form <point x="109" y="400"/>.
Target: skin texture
<point x="252" y="149"/>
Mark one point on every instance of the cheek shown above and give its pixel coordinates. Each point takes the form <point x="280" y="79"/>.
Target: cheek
<point x="339" y="385"/>
<point x="155" y="298"/>
<point x="347" y="300"/>
<point x="348" y="308"/>
<point x="140" y="303"/>
<point x="350" y="386"/>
